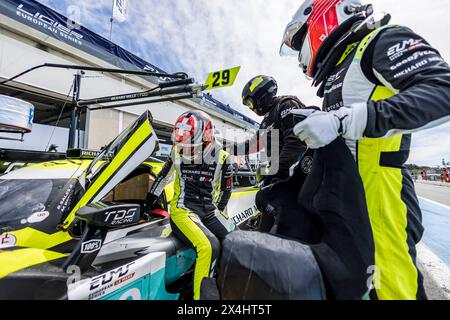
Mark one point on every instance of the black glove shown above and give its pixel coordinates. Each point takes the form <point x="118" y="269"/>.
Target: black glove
<point x="299" y="118"/>
<point x="151" y="200"/>
<point x="269" y="219"/>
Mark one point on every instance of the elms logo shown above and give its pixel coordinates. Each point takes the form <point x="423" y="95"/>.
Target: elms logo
<point x="399" y="49"/>
<point x="50" y="24"/>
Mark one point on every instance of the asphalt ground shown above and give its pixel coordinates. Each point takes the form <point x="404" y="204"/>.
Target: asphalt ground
<point x="434" y="192"/>
<point x="435" y="238"/>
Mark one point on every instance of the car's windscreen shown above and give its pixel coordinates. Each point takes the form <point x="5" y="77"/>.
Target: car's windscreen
<point x="25" y="202"/>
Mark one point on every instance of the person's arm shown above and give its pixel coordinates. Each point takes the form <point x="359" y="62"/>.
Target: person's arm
<point x="226" y="186"/>
<point x="407" y="64"/>
<point x="163" y="178"/>
<point x="292" y="148"/>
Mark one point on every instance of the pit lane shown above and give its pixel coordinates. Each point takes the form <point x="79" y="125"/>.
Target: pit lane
<point x="434" y="250"/>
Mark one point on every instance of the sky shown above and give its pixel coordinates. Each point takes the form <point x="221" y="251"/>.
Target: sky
<point x="200" y="36"/>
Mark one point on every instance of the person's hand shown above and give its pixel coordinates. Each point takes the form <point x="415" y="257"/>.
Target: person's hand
<point x="319" y="129"/>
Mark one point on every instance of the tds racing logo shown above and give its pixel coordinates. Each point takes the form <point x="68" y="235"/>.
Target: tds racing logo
<point x="120" y="217"/>
<point x="50" y="24"/>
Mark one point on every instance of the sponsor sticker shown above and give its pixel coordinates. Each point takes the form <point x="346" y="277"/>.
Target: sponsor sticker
<point x="7" y="241"/>
<point x="306" y="164"/>
<point x="334" y="88"/>
<point x="416" y="56"/>
<point x="286" y="112"/>
<point x="410" y="69"/>
<point x="114" y="283"/>
<point x="124" y="279"/>
<point x="120" y="217"/>
<point x="245" y="215"/>
<point x="101" y="285"/>
<point x="400" y="48"/>
<point x="335" y="77"/>
<point x="36" y="217"/>
<point x="91" y="246"/>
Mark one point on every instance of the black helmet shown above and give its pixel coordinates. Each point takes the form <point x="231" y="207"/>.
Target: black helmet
<point x="258" y="94"/>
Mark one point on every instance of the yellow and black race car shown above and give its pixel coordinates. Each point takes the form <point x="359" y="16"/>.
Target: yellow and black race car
<point x="80" y="228"/>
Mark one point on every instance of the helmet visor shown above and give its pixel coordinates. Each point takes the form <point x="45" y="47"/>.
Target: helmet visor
<point x="286" y="51"/>
<point x="249" y="103"/>
<point x="294" y="41"/>
<point x="296" y="30"/>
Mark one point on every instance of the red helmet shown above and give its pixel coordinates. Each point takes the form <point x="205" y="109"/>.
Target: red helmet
<point x="312" y="24"/>
<point x="193" y="133"/>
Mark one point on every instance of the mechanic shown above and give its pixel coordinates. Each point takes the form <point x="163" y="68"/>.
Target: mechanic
<point x="260" y="95"/>
<point x="203" y="185"/>
<point x="380" y="83"/>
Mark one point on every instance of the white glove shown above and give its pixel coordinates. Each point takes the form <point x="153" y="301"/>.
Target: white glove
<point x="320" y="128"/>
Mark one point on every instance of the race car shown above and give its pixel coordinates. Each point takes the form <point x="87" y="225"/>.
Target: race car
<point x="81" y="228"/>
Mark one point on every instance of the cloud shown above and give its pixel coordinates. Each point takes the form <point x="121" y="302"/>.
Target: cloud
<point x="205" y="35"/>
<point x="202" y="36"/>
<point x="92" y="14"/>
<point x="431" y="146"/>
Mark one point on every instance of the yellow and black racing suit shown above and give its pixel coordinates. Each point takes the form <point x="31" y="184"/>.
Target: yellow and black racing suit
<point x="202" y="192"/>
<point x="406" y="86"/>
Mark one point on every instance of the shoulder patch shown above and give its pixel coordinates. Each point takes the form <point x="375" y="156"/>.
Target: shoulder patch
<point x="286" y="112"/>
<point x="306" y="164"/>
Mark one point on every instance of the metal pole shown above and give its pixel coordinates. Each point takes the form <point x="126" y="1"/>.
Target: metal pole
<point x="79" y="127"/>
<point x="139" y="95"/>
<point x="182" y="97"/>
<point x="111" y="21"/>
<point x="180" y="75"/>
<point x="74" y="116"/>
<point x="111" y="29"/>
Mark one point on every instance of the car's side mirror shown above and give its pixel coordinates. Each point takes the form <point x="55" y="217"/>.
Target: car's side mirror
<point x="110" y="215"/>
<point x="99" y="217"/>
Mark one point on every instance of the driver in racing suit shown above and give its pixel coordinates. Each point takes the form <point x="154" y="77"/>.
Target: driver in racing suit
<point x="203" y="184"/>
<point x="380" y="83"/>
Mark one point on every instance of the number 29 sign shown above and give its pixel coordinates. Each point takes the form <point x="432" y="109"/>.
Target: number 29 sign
<point x="221" y="79"/>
